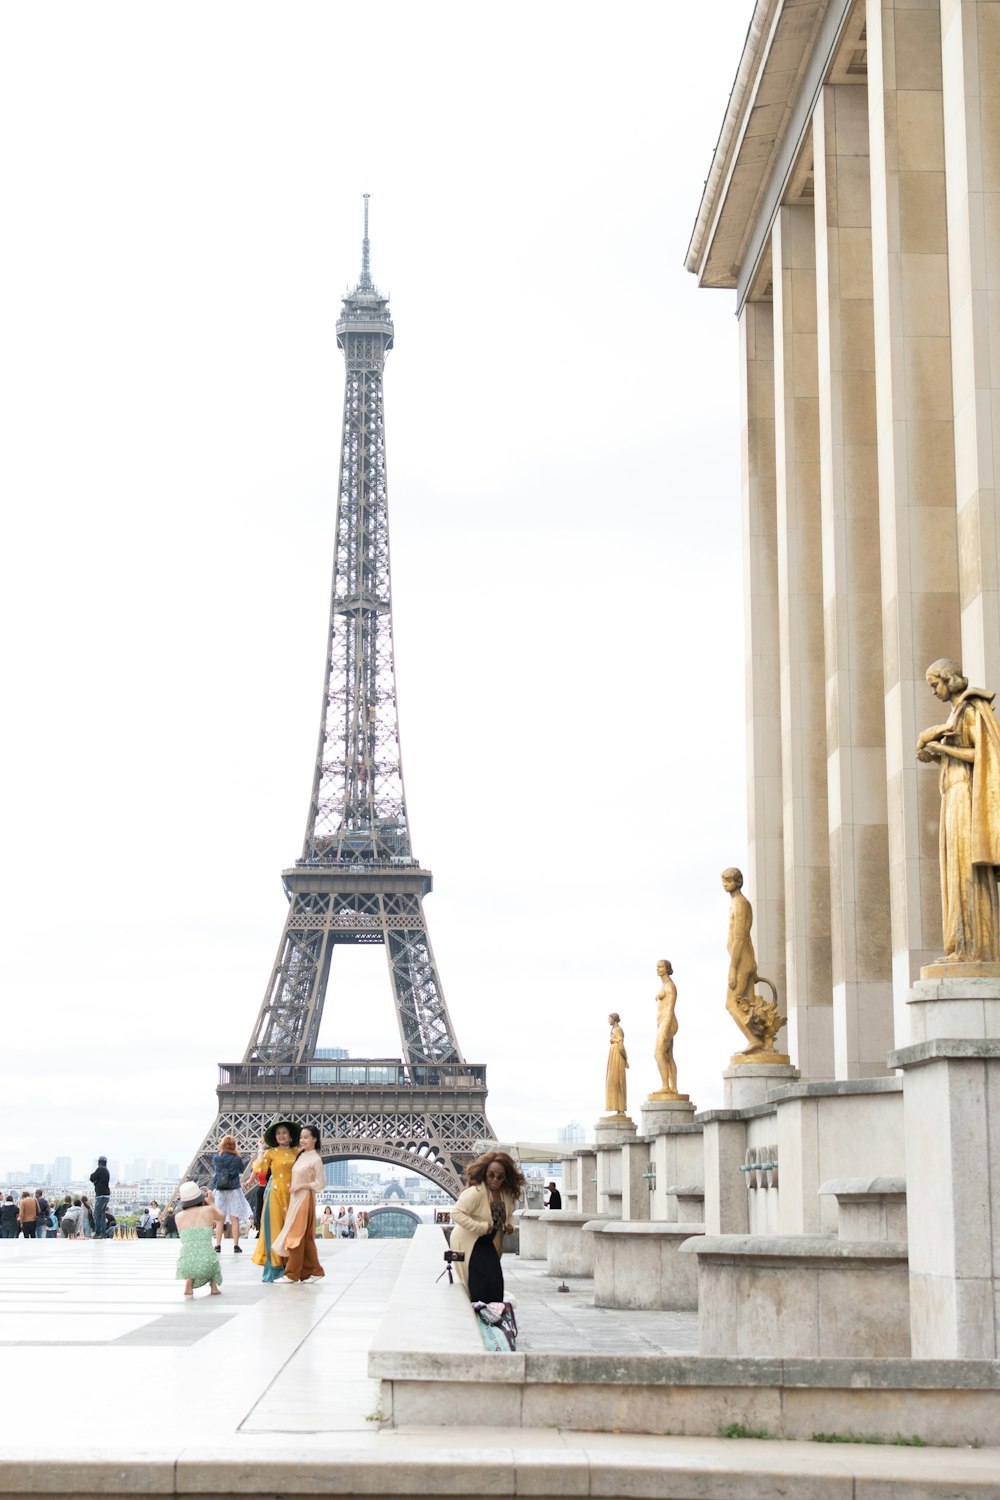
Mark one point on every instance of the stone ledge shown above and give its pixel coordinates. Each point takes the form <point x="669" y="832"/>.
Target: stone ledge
<point x="792" y="1371"/>
<point x="424" y="1315"/>
<point x="864" y="1187"/>
<point x="958" y="1049"/>
<point x="835" y="1088"/>
<point x="543" y="1465"/>
<point x="957" y="988"/>
<point x="569" y="1216"/>
<point x="750" y="1112"/>
<point x="661" y="1228"/>
<point x="826" y="1088"/>
<point x="795" y="1249"/>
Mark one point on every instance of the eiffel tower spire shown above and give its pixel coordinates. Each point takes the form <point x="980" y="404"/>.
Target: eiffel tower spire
<point x="365" y="283"/>
<point x="357" y="880"/>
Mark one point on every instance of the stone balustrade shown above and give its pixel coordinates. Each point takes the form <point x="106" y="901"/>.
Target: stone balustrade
<point x="568" y="1251"/>
<point x="637" y="1265"/>
<point x="801" y="1295"/>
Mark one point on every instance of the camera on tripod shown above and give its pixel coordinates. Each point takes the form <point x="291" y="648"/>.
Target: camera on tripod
<point x="450" y="1257"/>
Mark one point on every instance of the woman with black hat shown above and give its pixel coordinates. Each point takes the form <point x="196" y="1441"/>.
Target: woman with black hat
<point x="297" y="1239"/>
<point x="281" y="1139"/>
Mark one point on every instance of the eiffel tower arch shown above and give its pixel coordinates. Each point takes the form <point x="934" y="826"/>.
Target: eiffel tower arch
<point x="357" y="880"/>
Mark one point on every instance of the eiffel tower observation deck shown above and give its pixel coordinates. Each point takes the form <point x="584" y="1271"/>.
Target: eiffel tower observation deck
<point x="357" y="880"/>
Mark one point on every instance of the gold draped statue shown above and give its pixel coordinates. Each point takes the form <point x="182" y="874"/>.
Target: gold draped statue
<point x="757" y="1017"/>
<point x="614" y="1084"/>
<point x="967" y="750"/>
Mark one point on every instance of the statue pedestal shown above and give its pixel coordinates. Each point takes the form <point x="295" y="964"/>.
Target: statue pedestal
<point x="960" y="971"/>
<point x="746" y="1084"/>
<point x="661" y="1112"/>
<point x="614" y="1130"/>
<point x="762" y="1059"/>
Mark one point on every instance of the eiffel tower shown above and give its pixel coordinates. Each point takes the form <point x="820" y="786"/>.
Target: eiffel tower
<point x="357" y="880"/>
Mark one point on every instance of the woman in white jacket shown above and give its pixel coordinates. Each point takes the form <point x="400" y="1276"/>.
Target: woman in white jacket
<point x="481" y="1217"/>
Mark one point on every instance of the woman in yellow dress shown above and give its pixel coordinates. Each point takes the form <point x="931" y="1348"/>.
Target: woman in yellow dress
<point x="282" y="1141"/>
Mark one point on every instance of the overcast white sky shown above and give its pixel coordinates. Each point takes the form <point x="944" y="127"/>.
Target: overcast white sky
<point x="181" y="187"/>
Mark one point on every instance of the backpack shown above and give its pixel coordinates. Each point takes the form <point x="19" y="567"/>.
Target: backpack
<point x="226" y="1180"/>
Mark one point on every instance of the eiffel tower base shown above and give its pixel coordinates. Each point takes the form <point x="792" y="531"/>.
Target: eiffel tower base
<point x="425" y="1119"/>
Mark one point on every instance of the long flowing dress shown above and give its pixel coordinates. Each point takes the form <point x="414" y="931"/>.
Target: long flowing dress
<point x="478" y="1234"/>
<point x="198" y="1261"/>
<point x="970" y="833"/>
<point x="297" y="1240"/>
<point x="280" y="1159"/>
<point x="614" y="1087"/>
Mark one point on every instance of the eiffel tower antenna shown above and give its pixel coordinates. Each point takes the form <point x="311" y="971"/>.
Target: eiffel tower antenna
<point x="357" y="881"/>
<point x="365" y="284"/>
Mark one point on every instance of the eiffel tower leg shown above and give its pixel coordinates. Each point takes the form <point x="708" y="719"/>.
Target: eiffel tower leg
<point x="287" y="1028"/>
<point x="424" y="1023"/>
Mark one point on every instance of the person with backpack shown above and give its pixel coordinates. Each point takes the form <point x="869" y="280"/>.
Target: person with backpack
<point x="43" y="1215"/>
<point x="69" y="1223"/>
<point x="8" y="1218"/>
<point x="227" y="1193"/>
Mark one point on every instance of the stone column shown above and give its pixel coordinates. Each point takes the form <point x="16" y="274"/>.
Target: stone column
<point x="951" y="1109"/>
<point x="587" y="1181"/>
<point x="861" y="948"/>
<point x="916" y="459"/>
<point x="970" y="31"/>
<point x="800" y="632"/>
<point x="725" y="1138"/>
<point x="636" y="1196"/>
<point x="765" y="862"/>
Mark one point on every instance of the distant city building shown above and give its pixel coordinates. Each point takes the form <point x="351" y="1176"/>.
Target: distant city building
<point x="158" y="1168"/>
<point x="572" y="1134"/>
<point x="135" y="1171"/>
<point x="39" y="1172"/>
<point x="62" y="1171"/>
<point x="173" y="1171"/>
<point x="336" y="1174"/>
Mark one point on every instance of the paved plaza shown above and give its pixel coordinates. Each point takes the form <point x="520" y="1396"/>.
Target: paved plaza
<point x="265" y="1390"/>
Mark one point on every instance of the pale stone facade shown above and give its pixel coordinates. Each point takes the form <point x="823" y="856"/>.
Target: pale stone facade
<point x="854" y="206"/>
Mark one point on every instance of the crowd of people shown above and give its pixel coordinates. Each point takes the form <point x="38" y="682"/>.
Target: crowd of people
<point x="32" y="1217"/>
<point x="275" y="1195"/>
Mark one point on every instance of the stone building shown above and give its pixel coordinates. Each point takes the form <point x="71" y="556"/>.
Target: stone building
<point x="853" y="205"/>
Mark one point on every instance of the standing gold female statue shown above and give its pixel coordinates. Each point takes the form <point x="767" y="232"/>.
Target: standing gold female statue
<point x="967" y="747"/>
<point x="666" y="1027"/>
<point x="614" y="1085"/>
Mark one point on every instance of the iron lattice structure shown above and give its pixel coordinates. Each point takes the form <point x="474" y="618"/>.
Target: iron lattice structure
<point x="357" y="880"/>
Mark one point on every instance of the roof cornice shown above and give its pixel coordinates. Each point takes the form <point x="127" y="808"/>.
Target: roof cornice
<point x="775" y="56"/>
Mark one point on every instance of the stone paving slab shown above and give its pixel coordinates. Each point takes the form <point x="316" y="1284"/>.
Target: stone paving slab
<point x="554" y="1322"/>
<point x="263" y="1392"/>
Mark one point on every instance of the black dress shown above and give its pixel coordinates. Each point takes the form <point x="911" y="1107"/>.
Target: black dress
<point x="485" y="1271"/>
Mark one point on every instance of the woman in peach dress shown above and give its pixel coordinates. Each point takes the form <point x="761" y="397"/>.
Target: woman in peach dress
<point x="297" y="1240"/>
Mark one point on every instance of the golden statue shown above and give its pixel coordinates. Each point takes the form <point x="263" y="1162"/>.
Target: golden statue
<point x="666" y="1030"/>
<point x="758" y="1018"/>
<point x="967" y="747"/>
<point x="614" y="1085"/>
